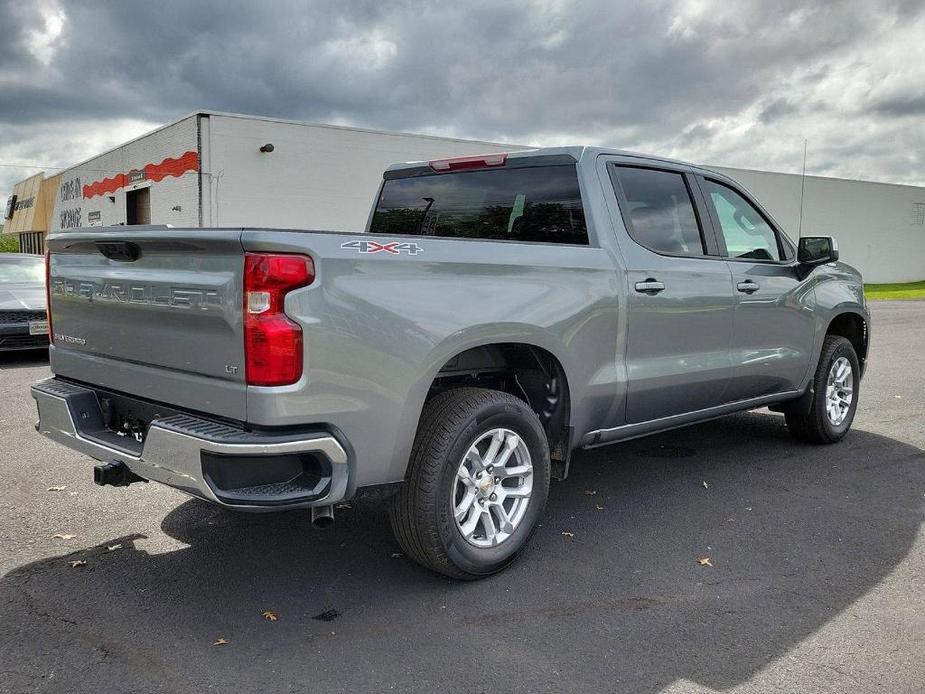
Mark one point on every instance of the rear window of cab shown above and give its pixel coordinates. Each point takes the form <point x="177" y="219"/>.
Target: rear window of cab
<point x="539" y="204"/>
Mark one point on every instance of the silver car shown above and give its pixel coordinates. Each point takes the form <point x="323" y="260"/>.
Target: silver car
<point x="23" y="322"/>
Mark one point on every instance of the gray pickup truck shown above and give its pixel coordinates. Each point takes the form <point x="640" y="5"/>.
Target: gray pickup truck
<point x="498" y="313"/>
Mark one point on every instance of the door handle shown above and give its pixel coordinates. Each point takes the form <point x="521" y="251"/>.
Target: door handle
<point x="747" y="286"/>
<point x="650" y="286"/>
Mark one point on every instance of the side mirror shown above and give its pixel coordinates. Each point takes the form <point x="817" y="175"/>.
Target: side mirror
<point x="817" y="250"/>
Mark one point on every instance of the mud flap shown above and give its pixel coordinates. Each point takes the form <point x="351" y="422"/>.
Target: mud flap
<point x="800" y="406"/>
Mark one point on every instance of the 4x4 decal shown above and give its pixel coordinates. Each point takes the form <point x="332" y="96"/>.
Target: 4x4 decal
<point x="393" y="247"/>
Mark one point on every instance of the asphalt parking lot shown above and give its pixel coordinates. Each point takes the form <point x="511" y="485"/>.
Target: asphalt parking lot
<point x="817" y="581"/>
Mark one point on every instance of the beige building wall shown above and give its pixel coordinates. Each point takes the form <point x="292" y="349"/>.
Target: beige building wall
<point x="32" y="210"/>
<point x="27" y="200"/>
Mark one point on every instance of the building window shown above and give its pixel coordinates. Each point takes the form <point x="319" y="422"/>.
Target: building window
<point x="918" y="213"/>
<point x="32" y="242"/>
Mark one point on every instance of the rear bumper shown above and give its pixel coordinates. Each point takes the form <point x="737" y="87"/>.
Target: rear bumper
<point x="201" y="457"/>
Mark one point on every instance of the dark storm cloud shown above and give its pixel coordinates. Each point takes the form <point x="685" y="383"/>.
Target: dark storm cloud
<point x="691" y="79"/>
<point x="776" y="109"/>
<point x="903" y="105"/>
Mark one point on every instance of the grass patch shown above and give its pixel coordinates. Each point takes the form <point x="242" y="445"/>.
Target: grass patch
<point x="905" y="290"/>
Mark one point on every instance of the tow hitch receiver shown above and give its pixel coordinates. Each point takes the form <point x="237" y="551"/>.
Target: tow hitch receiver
<point x="116" y="474"/>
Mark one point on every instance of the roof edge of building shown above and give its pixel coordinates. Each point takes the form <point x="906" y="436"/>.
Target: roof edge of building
<point x="394" y="133"/>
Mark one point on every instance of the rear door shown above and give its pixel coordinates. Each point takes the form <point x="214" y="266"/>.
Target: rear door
<point x="154" y="312"/>
<point x="680" y="297"/>
<point x="773" y="328"/>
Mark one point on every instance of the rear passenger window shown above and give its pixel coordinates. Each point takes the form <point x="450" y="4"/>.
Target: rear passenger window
<point x="747" y="234"/>
<point x="535" y="203"/>
<point x="659" y="213"/>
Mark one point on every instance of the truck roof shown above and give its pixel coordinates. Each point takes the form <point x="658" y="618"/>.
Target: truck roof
<point x="576" y="152"/>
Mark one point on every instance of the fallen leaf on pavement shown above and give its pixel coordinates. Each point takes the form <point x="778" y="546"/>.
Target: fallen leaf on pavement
<point x="219" y="642"/>
<point x="705" y="485"/>
<point x="590" y="492"/>
<point x="704" y="561"/>
<point x="395" y="555"/>
<point x="566" y="533"/>
<point x="599" y="507"/>
<point x="62" y="536"/>
<point x="77" y="562"/>
<point x="58" y="488"/>
<point x="113" y="548"/>
<point x="269" y="615"/>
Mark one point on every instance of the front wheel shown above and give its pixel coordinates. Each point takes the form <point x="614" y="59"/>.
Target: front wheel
<point x="835" y="399"/>
<point x="477" y="483"/>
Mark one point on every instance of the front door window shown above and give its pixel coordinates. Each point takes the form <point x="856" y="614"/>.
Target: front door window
<point x="746" y="232"/>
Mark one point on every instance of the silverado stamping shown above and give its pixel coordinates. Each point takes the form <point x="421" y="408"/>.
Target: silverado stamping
<point x="498" y="313"/>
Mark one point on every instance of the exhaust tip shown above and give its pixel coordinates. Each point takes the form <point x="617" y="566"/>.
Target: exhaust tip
<point x="322" y="517"/>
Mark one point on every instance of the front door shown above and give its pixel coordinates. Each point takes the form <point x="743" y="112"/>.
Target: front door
<point x="773" y="329"/>
<point x="680" y="297"/>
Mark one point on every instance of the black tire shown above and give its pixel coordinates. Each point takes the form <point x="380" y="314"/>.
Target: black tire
<point x="815" y="427"/>
<point x="421" y="514"/>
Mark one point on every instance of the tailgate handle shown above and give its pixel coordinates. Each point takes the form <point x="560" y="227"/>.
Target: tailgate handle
<point x="123" y="251"/>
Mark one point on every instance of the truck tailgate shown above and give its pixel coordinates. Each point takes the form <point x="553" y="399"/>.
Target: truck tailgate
<point x="154" y="311"/>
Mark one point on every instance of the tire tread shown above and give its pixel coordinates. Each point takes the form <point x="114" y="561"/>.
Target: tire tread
<point x="812" y="428"/>
<point x="412" y="515"/>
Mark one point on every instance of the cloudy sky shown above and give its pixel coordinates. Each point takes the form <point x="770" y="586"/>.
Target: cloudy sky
<point x="725" y="82"/>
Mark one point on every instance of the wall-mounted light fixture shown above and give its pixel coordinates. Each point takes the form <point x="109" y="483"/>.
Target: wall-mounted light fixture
<point x="112" y="199"/>
<point x="267" y="148"/>
<point x="176" y="208"/>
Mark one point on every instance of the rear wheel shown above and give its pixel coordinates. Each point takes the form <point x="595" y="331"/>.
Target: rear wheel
<point x="836" y="395"/>
<point x="477" y="483"/>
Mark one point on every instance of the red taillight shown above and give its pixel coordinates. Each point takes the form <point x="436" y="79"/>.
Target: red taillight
<point x="480" y="161"/>
<point x="51" y="333"/>
<point x="272" y="342"/>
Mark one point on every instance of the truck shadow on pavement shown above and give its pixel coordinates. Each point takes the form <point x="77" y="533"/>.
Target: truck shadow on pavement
<point x="608" y="597"/>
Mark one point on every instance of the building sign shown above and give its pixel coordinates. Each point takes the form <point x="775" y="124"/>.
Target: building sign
<point x="136" y="176"/>
<point x="25" y="203"/>
<point x="68" y="191"/>
<point x="95" y="219"/>
<point x="14" y="203"/>
<point x="70" y="218"/>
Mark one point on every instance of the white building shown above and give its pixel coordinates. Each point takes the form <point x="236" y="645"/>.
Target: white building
<point x="212" y="169"/>
<point x="217" y="169"/>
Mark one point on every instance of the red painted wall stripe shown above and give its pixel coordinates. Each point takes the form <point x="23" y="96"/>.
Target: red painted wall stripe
<point x="188" y="161"/>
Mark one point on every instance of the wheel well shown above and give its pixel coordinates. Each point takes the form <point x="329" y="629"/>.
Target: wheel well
<point x="527" y="372"/>
<point x="853" y="327"/>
